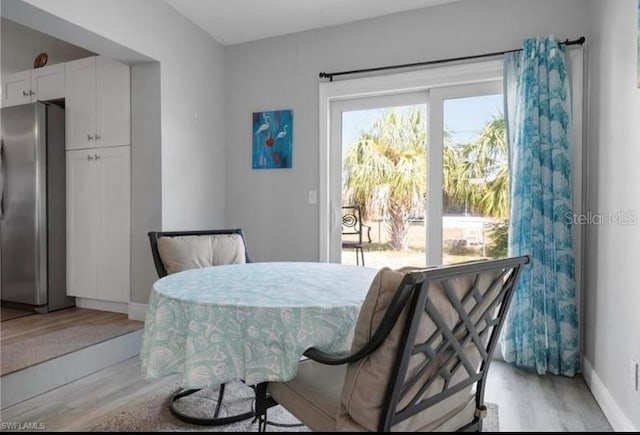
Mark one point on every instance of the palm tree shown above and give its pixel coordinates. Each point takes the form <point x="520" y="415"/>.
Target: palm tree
<point x="385" y="171"/>
<point x="483" y="174"/>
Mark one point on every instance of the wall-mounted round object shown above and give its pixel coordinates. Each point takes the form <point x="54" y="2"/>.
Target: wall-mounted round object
<point x="40" y="60"/>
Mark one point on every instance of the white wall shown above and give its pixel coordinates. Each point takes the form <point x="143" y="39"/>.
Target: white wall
<point x="192" y="138"/>
<point x="612" y="299"/>
<point x="192" y="85"/>
<point x="20" y="46"/>
<point x="282" y="72"/>
<point x="146" y="176"/>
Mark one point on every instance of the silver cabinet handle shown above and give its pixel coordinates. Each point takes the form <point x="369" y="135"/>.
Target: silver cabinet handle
<point x="89" y="137"/>
<point x="97" y="137"/>
<point x="97" y="157"/>
<point x="25" y="93"/>
<point x="31" y="93"/>
<point x="89" y="157"/>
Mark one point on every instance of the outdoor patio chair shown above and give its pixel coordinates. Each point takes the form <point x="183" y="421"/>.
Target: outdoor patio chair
<point x="422" y="347"/>
<point x="354" y="230"/>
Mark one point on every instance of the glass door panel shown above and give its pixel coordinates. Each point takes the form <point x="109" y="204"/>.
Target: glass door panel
<point x="378" y="207"/>
<point x="475" y="197"/>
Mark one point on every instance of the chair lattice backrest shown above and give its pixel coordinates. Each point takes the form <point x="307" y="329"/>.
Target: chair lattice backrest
<point x="451" y="331"/>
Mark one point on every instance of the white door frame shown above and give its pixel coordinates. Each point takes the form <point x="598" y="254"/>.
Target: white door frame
<point x="414" y="81"/>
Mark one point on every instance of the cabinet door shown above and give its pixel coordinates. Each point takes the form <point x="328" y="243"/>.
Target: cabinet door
<point x="112" y="224"/>
<point x="113" y="103"/>
<point x="81" y="216"/>
<point x="80" y="103"/>
<point x="47" y="83"/>
<point x="15" y="89"/>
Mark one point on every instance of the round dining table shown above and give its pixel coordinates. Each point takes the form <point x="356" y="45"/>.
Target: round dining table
<point x="251" y="322"/>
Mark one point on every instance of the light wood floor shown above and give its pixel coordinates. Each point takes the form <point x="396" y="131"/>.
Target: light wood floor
<point x="29" y="340"/>
<point x="531" y="403"/>
<point x="7" y="313"/>
<point x="20" y="329"/>
<point x="526" y="401"/>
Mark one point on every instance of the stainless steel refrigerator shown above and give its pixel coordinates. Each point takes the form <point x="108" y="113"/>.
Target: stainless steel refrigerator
<point x="33" y="208"/>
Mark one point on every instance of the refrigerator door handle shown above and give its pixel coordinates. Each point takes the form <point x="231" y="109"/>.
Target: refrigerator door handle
<point x="2" y="178"/>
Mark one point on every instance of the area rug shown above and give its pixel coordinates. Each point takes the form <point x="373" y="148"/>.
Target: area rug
<point x="152" y="414"/>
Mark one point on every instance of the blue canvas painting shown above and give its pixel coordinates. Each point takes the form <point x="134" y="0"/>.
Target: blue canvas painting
<point x="272" y="139"/>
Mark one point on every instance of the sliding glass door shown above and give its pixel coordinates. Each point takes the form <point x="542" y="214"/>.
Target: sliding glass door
<point x="427" y="171"/>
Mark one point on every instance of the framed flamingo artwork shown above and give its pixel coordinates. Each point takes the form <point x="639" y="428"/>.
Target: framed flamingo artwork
<point x="272" y="139"/>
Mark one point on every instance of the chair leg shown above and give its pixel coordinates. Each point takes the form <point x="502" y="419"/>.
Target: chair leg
<point x="357" y="258"/>
<point x="262" y="422"/>
<point x="220" y="397"/>
<point x="362" y="255"/>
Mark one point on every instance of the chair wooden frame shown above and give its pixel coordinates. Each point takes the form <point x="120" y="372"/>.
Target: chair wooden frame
<point x="450" y="342"/>
<point x="154" y="236"/>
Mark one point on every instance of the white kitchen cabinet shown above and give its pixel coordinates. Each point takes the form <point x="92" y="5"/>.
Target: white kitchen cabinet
<point x="98" y="103"/>
<point x="42" y="84"/>
<point x="98" y="223"/>
<point x="15" y="89"/>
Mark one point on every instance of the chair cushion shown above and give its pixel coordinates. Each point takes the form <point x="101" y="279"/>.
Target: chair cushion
<point x="190" y="252"/>
<point x="313" y="395"/>
<point x="366" y="380"/>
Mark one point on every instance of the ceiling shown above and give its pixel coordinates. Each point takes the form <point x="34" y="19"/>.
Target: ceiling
<point x="236" y="21"/>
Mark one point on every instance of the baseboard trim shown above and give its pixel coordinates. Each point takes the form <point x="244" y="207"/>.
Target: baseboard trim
<point x="95" y="304"/>
<point x="137" y="311"/>
<point x="617" y="418"/>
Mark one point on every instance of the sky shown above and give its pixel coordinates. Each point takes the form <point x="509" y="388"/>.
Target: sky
<point x="463" y="117"/>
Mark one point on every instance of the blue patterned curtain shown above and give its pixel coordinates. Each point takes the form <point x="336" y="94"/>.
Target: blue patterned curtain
<point x="541" y="330"/>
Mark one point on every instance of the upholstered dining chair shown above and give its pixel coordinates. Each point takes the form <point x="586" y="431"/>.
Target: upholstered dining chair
<point x="176" y="251"/>
<point x="422" y="347"/>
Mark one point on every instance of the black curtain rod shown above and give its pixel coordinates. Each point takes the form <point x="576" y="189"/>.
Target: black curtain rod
<point x="323" y="75"/>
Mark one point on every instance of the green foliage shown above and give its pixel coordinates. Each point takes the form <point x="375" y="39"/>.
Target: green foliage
<point x="386" y="171"/>
<point x="456" y="247"/>
<point x="476" y="173"/>
<point x="499" y="235"/>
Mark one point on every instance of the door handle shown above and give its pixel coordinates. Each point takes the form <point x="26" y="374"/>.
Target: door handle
<point x="89" y="137"/>
<point x="97" y="137"/>
<point x="31" y="93"/>
<point x="25" y="93"/>
<point x="97" y="157"/>
<point x="89" y="157"/>
<point x="2" y="174"/>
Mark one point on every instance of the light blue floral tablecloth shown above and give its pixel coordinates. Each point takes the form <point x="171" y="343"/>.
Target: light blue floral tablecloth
<point x="249" y="321"/>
